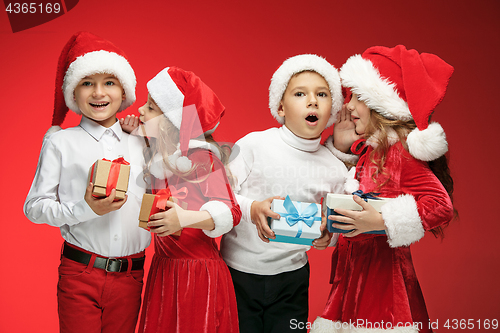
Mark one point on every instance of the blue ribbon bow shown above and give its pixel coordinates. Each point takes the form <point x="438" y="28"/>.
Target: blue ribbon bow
<point x="293" y="216"/>
<point x="366" y="196"/>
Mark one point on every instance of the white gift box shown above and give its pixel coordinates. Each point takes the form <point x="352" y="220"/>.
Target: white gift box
<point x="346" y="201"/>
<point x="299" y="223"/>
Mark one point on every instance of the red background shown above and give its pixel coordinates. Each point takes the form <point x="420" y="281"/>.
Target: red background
<point x="235" y="48"/>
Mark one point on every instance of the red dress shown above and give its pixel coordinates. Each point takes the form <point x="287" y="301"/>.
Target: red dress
<point x="189" y="287"/>
<point x="374" y="284"/>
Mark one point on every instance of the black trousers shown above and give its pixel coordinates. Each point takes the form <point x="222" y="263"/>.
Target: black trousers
<point x="272" y="303"/>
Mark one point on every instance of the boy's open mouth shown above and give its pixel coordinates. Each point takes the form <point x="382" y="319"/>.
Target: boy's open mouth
<point x="99" y="105"/>
<point x="312" y="118"/>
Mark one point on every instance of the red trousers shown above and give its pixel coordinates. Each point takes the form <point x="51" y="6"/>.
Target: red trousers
<point x="91" y="300"/>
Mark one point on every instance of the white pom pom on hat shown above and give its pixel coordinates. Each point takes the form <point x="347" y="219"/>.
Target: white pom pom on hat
<point x="402" y="84"/>
<point x="302" y="63"/>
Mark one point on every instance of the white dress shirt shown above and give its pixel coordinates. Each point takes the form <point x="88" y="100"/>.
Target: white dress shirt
<point x="57" y="194"/>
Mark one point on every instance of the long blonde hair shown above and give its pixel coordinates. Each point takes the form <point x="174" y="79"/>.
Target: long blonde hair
<point x="377" y="129"/>
<point x="166" y="143"/>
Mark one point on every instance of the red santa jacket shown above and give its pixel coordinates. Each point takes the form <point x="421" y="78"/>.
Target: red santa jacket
<point x="420" y="201"/>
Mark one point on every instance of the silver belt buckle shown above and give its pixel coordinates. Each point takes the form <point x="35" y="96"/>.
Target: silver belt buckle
<point x="109" y="262"/>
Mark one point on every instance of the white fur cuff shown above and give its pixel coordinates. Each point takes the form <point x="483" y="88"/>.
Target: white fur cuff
<point x="349" y="158"/>
<point x="402" y="220"/>
<point x="222" y="216"/>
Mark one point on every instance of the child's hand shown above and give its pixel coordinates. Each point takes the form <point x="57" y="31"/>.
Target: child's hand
<point x="129" y="123"/>
<point x="344" y="133"/>
<point x="102" y="206"/>
<point x="361" y="221"/>
<point x="260" y="210"/>
<point x="167" y="222"/>
<point x="322" y="242"/>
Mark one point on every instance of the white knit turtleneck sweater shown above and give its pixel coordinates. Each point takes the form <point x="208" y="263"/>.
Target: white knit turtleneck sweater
<point x="270" y="163"/>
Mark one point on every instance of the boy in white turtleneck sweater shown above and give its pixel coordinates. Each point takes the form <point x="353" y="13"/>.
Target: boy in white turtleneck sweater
<point x="271" y="279"/>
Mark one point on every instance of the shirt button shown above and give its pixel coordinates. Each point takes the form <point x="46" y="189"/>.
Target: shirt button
<point x="109" y="148"/>
<point x="116" y="237"/>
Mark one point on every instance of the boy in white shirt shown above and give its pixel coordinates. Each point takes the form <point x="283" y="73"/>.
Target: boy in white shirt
<point x="271" y="279"/>
<point x="101" y="270"/>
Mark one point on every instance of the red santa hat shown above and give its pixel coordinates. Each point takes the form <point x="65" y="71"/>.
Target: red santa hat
<point x="189" y="104"/>
<point x="302" y="63"/>
<point x="83" y="55"/>
<point x="404" y="85"/>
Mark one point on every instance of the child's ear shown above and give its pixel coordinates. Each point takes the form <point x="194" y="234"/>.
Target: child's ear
<point x="281" y="111"/>
<point x="124" y="96"/>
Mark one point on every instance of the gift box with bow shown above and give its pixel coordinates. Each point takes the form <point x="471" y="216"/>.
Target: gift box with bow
<point x="106" y="175"/>
<point x="346" y="201"/>
<point x="299" y="223"/>
<point x="155" y="203"/>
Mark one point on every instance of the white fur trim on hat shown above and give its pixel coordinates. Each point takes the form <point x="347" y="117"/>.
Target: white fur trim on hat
<point x="99" y="62"/>
<point x="322" y="325"/>
<point x="349" y="158"/>
<point x="167" y="96"/>
<point x="378" y="93"/>
<point x="428" y="144"/>
<point x="222" y="216"/>
<point x="402" y="220"/>
<point x="298" y="64"/>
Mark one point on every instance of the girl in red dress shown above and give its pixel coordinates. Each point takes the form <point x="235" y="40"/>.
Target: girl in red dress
<point x="374" y="285"/>
<point x="189" y="287"/>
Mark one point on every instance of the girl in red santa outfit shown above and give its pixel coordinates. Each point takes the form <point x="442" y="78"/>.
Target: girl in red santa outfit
<point x="374" y="285"/>
<point x="189" y="287"/>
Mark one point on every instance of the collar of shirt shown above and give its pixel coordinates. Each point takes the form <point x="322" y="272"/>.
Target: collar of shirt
<point x="97" y="131"/>
<point x="297" y="142"/>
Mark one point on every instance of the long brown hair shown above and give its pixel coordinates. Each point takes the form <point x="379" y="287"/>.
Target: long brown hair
<point x="377" y="129"/>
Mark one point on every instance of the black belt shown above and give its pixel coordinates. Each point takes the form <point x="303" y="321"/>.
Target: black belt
<point x="108" y="264"/>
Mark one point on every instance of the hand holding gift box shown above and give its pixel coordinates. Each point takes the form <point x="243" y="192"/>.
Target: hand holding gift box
<point x="155" y="203"/>
<point x="106" y="175"/>
<point x="299" y="223"/>
<point x="345" y="201"/>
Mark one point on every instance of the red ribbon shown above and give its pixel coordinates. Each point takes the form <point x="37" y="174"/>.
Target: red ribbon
<point x="161" y="198"/>
<point x="119" y="160"/>
<point x="114" y="172"/>
<point x="358" y="148"/>
<point x="160" y="201"/>
<point x="179" y="193"/>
